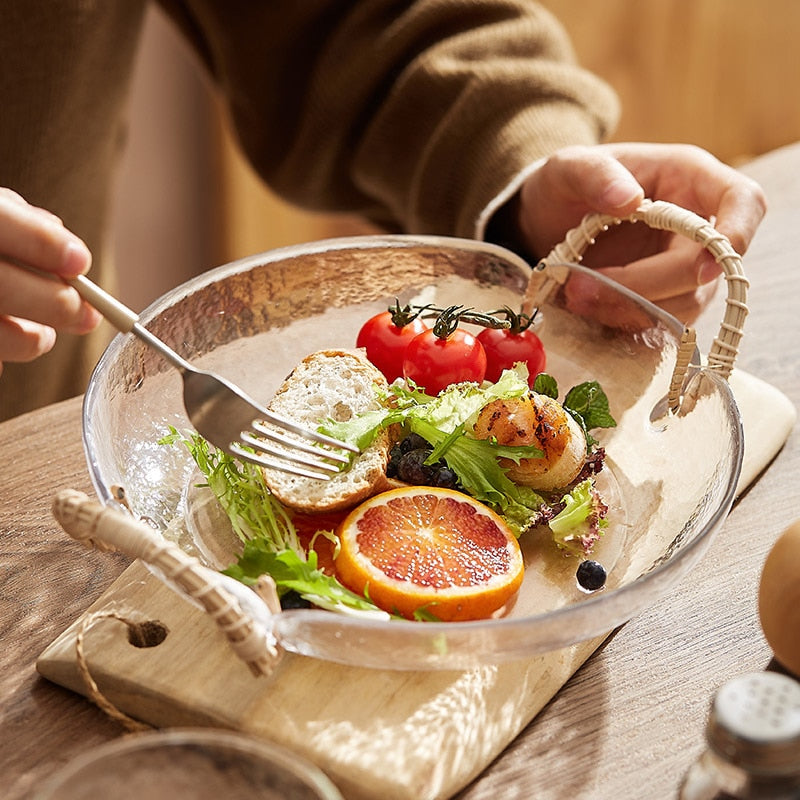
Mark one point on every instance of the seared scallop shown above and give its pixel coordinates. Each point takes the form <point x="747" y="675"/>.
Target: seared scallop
<point x="541" y="421"/>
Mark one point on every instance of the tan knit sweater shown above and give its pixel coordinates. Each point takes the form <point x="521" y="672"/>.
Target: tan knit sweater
<point x="417" y="115"/>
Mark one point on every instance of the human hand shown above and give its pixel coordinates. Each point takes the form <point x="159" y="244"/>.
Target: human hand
<point x="668" y="269"/>
<point x="33" y="307"/>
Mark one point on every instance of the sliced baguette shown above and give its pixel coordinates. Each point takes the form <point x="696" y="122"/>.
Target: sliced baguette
<point x="336" y="384"/>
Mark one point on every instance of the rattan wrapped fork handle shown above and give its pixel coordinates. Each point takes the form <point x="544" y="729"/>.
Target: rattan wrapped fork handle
<point x="665" y="216"/>
<point x="107" y="529"/>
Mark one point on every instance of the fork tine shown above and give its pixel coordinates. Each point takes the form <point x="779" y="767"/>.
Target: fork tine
<point x="265" y="432"/>
<point x="201" y="397"/>
<point x="283" y="462"/>
<point x="234" y="417"/>
<point x="295" y="452"/>
<point x="306" y="433"/>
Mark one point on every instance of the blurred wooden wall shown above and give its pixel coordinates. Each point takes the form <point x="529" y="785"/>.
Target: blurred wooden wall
<point x="722" y="74"/>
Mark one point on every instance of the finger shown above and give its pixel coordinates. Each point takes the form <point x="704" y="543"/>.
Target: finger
<point x="23" y="340"/>
<point x="15" y="197"/>
<point x="570" y="184"/>
<point x="688" y="307"/>
<point x="736" y="214"/>
<point x="592" y="299"/>
<point x="36" y="238"/>
<point x="586" y="296"/>
<point x="693" y="178"/>
<point x="596" y="181"/>
<point x="12" y="196"/>
<point x="575" y="181"/>
<point x="669" y="273"/>
<point x="44" y="300"/>
<point x="740" y="211"/>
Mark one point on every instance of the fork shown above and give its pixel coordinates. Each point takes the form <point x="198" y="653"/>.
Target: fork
<point x="223" y="414"/>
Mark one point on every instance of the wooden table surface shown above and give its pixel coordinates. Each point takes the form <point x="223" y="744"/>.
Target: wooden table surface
<point x="630" y="721"/>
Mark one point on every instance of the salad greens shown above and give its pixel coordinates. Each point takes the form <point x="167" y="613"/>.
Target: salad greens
<point x="443" y="422"/>
<point x="270" y="541"/>
<point x="579" y="525"/>
<point x="293" y="572"/>
<point x="586" y="402"/>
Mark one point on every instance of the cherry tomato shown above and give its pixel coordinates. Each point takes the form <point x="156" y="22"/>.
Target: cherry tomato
<point x="386" y="342"/>
<point x="504" y="348"/>
<point x="433" y="362"/>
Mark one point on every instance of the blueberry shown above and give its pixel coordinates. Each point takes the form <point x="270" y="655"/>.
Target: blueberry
<point x="414" y="442"/>
<point x="395" y="454"/>
<point x="444" y="477"/>
<point x="591" y="575"/>
<point x="293" y="599"/>
<point x="412" y="468"/>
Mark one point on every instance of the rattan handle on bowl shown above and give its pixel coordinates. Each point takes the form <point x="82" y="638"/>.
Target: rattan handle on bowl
<point x="107" y="529"/>
<point x="665" y="216"/>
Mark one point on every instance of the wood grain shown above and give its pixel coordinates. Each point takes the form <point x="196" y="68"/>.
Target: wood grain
<point x="714" y="73"/>
<point x="631" y="717"/>
<point x="377" y="733"/>
<point x="45" y="583"/>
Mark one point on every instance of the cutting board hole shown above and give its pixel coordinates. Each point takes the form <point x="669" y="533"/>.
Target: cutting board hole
<point x="149" y="633"/>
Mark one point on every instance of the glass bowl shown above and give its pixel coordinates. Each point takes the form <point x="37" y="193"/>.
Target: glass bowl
<point x="670" y="478"/>
<point x="202" y="764"/>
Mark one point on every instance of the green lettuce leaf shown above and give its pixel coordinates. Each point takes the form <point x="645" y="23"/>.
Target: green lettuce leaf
<point x="242" y="492"/>
<point x="302" y="575"/>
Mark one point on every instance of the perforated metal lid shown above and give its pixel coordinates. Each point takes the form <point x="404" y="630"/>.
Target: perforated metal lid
<point x="755" y="723"/>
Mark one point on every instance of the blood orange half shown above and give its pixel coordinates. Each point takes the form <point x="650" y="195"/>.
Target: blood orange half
<point x="427" y="548"/>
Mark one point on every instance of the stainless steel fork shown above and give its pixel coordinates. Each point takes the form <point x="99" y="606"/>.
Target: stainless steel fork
<point x="223" y="414"/>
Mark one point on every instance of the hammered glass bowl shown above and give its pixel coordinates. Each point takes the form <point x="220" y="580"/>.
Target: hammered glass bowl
<point x="670" y="476"/>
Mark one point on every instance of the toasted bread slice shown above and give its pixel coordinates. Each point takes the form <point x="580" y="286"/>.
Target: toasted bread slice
<point x="331" y="384"/>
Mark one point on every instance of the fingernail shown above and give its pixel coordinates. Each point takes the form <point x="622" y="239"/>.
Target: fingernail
<point x="47" y="340"/>
<point x="709" y="271"/>
<point x="621" y="193"/>
<point x="91" y="319"/>
<point x="76" y="258"/>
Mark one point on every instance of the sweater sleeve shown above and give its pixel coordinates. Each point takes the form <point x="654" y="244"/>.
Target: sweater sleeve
<point x="420" y="116"/>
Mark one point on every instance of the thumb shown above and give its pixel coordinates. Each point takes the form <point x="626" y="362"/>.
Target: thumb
<point x="568" y="185"/>
<point x="605" y="185"/>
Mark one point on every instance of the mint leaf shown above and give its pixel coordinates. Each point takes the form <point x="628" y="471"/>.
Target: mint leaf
<point x="590" y="403"/>
<point x="546" y="384"/>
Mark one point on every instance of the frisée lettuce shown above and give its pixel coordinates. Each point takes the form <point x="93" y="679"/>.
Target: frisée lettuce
<point x="270" y="541"/>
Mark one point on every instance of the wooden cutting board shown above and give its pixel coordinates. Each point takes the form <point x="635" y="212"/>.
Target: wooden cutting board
<point x="377" y="733"/>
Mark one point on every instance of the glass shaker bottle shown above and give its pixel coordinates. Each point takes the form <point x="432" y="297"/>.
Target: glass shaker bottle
<point x="753" y="742"/>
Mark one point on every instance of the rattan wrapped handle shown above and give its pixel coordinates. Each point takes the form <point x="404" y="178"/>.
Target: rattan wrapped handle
<point x="107" y="529"/>
<point x="666" y="216"/>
